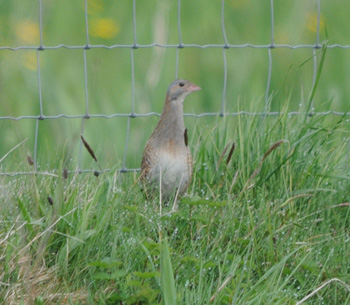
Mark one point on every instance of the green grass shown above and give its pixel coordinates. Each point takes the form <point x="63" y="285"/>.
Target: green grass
<point x="267" y="217"/>
<point x="269" y="226"/>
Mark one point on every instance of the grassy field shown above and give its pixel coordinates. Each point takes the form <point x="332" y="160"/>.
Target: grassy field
<point x="267" y="217"/>
<point x="269" y="225"/>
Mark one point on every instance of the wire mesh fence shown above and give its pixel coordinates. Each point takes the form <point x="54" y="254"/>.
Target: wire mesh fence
<point x="225" y="47"/>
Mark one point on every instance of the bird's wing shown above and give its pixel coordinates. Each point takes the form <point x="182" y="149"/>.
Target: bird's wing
<point x="147" y="160"/>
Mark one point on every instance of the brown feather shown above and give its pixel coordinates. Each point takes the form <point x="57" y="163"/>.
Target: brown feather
<point x="186" y="137"/>
<point x="167" y="157"/>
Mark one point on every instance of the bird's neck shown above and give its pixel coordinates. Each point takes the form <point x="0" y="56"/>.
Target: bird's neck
<point x="171" y="124"/>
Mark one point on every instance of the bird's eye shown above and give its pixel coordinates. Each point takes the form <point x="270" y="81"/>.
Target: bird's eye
<point x="181" y="84"/>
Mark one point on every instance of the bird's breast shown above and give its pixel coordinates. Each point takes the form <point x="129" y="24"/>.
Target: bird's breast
<point x="173" y="162"/>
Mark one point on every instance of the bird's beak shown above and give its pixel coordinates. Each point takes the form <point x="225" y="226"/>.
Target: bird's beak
<point x="194" y="87"/>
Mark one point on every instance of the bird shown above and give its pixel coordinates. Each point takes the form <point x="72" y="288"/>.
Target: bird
<point x="166" y="167"/>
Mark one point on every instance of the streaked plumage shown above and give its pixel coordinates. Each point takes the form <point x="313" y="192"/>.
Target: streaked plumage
<point x="167" y="156"/>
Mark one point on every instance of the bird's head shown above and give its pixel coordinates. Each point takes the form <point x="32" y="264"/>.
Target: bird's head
<point x="180" y="88"/>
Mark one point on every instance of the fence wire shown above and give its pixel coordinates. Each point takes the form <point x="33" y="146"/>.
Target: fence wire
<point x="181" y="45"/>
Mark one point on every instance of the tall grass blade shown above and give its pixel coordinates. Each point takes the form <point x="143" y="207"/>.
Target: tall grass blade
<point x="167" y="275"/>
<point x="318" y="76"/>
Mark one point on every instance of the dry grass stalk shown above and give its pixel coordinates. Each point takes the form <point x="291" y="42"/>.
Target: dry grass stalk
<point x="234" y="180"/>
<point x="11" y="150"/>
<point x="46" y="230"/>
<point x="293" y="198"/>
<point x="344" y="204"/>
<point x="223" y="285"/>
<point x="39" y="281"/>
<point x="320" y="287"/>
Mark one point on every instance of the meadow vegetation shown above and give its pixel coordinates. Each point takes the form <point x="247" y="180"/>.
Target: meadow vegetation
<point x="266" y="219"/>
<point x="267" y="225"/>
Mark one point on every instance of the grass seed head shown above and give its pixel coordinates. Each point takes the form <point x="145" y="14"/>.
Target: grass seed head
<point x="30" y="160"/>
<point x="88" y="148"/>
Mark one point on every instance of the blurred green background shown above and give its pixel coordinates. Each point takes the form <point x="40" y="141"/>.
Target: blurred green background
<point x="109" y="70"/>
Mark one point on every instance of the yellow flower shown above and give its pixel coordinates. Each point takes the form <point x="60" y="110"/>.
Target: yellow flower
<point x="311" y="22"/>
<point x="30" y="60"/>
<point x="104" y="28"/>
<point x="27" y="32"/>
